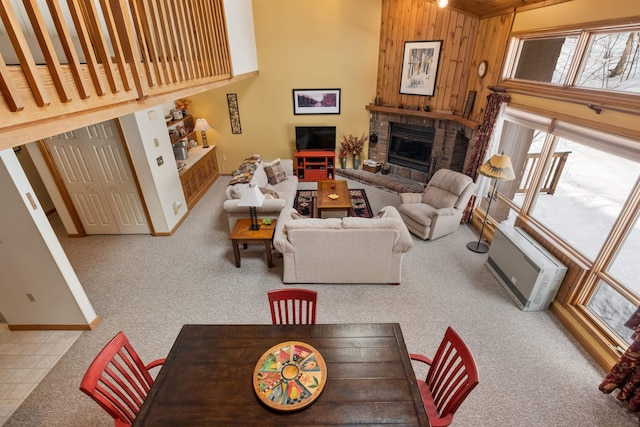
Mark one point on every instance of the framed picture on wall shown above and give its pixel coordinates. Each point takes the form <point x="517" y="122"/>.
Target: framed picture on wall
<point x="316" y="101"/>
<point x="420" y="67"/>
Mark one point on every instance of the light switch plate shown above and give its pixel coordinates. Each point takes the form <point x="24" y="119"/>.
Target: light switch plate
<point x="160" y="160"/>
<point x="156" y="142"/>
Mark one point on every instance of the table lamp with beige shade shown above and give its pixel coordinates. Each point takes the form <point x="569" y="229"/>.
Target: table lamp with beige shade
<point x="252" y="197"/>
<point x="202" y="126"/>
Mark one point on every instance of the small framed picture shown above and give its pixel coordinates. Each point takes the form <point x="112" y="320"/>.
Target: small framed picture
<point x="316" y="101"/>
<point x="420" y="67"/>
<point x="182" y="130"/>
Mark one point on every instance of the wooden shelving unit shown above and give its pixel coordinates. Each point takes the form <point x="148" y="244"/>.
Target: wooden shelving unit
<point x="182" y="130"/>
<point x="315" y="165"/>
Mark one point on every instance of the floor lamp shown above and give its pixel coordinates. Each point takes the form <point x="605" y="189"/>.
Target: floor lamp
<point x="499" y="168"/>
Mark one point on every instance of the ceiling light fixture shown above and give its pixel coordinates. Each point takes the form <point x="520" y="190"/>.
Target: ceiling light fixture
<point x="442" y="3"/>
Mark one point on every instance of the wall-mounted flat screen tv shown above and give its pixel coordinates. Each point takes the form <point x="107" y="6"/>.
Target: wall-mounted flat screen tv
<point x="316" y="138"/>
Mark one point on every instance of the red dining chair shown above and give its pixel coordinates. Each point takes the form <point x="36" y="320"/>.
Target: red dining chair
<point x="293" y="306"/>
<point x="451" y="377"/>
<point x="118" y="380"/>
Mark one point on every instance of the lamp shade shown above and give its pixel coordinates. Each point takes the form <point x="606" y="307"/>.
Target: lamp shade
<point x="202" y="125"/>
<point x="251" y="196"/>
<point x="498" y="167"/>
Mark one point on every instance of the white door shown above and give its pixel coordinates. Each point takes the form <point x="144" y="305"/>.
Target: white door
<point x="97" y="175"/>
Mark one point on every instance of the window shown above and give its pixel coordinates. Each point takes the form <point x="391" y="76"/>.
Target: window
<point x="545" y="59"/>
<point x="591" y="190"/>
<point x="578" y="65"/>
<point x="582" y="188"/>
<point x="612" y="309"/>
<point x="612" y="62"/>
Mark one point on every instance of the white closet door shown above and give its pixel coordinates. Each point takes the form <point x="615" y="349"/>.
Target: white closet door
<point x="114" y="172"/>
<point x="98" y="177"/>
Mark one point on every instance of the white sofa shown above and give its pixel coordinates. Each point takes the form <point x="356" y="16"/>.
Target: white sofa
<point x="286" y="192"/>
<point x="342" y="250"/>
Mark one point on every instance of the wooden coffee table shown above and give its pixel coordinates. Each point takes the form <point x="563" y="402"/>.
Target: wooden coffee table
<point x="326" y="204"/>
<point x="242" y="234"/>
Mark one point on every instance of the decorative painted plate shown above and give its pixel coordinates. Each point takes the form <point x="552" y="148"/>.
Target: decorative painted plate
<point x="289" y="376"/>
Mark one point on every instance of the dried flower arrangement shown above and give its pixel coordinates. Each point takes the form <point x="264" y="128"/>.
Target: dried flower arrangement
<point x="351" y="144"/>
<point x="182" y="104"/>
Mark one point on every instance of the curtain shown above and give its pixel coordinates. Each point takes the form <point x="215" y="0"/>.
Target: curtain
<point x="481" y="142"/>
<point x="625" y="374"/>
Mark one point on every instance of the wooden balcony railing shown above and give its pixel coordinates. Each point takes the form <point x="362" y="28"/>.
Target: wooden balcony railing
<point x="81" y="56"/>
<point x="550" y="181"/>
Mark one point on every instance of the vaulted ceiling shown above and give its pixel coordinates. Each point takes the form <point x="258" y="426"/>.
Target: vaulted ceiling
<point x="487" y="8"/>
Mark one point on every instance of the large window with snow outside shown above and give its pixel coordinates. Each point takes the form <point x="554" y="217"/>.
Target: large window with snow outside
<point x="592" y="60"/>
<point x="611" y="62"/>
<point x="582" y="186"/>
<point x="588" y="198"/>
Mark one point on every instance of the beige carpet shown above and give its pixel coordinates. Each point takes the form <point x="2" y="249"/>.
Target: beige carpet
<point x="532" y="372"/>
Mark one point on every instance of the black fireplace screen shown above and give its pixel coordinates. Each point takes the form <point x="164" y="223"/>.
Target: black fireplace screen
<point x="410" y="146"/>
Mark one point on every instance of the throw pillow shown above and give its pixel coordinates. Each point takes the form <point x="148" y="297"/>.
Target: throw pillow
<point x="275" y="173"/>
<point x="236" y="191"/>
<point x="296" y="215"/>
<point x="269" y="193"/>
<point x="260" y="178"/>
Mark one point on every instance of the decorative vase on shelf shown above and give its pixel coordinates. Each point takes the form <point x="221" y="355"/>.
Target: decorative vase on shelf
<point x="356" y="161"/>
<point x="343" y="161"/>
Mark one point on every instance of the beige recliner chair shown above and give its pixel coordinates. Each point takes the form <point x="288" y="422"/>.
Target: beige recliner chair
<point x="438" y="210"/>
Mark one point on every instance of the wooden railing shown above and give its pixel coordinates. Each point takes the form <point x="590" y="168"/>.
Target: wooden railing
<point x="129" y="51"/>
<point x="550" y="181"/>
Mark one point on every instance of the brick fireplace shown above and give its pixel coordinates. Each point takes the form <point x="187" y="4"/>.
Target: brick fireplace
<point x="449" y="146"/>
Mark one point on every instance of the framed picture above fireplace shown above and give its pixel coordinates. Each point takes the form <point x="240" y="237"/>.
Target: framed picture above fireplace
<point x="420" y="67"/>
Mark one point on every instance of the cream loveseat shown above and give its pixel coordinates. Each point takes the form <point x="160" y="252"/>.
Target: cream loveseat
<point x="279" y="195"/>
<point x="342" y="250"/>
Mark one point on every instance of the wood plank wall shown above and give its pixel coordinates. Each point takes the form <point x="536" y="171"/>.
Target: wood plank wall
<point x="467" y="40"/>
<point x="492" y="44"/>
<point x="412" y="20"/>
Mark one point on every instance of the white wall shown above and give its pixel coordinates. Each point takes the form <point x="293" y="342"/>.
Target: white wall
<point x="242" y="41"/>
<point x="147" y="139"/>
<point x="32" y="260"/>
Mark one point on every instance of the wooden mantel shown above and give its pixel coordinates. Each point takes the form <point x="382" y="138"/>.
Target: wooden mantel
<point x="472" y="124"/>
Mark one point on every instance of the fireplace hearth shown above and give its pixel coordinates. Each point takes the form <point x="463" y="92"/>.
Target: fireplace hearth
<point x="410" y="146"/>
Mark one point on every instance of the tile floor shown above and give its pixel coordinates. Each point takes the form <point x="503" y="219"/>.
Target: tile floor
<point x="25" y="359"/>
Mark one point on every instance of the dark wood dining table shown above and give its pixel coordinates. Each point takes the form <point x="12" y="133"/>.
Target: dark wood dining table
<point x="207" y="377"/>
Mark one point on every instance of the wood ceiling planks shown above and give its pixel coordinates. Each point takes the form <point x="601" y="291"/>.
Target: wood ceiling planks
<point x="488" y="8"/>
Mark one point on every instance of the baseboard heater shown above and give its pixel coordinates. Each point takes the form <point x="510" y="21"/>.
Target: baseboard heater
<point x="529" y="273"/>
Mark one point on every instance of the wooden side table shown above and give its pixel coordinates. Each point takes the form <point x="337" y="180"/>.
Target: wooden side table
<point x="242" y="234"/>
